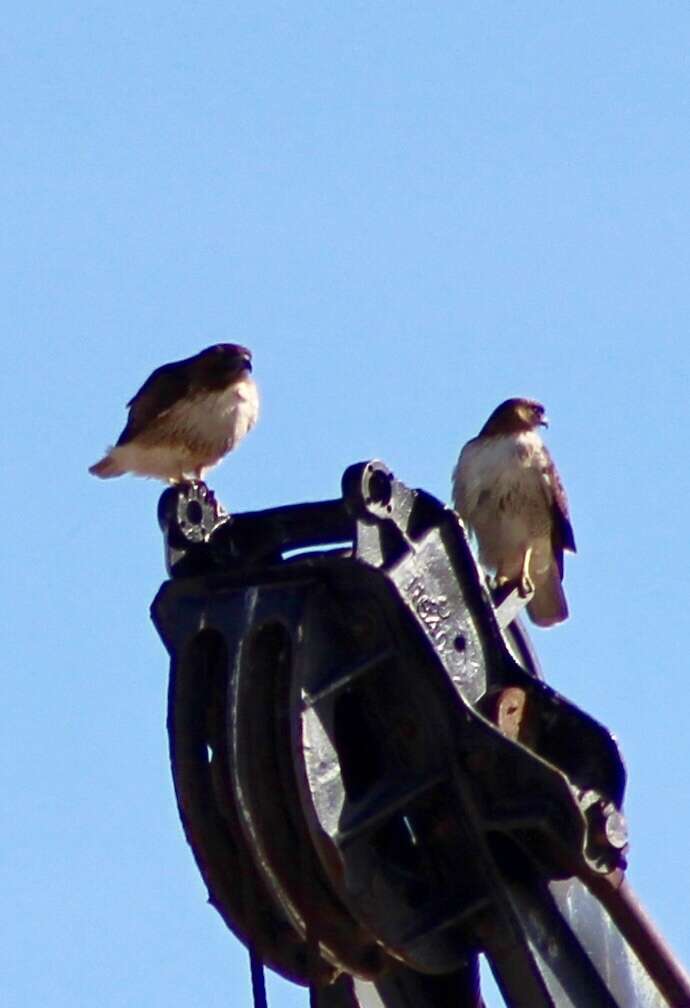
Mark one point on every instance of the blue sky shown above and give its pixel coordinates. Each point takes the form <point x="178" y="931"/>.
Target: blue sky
<point x="409" y="212"/>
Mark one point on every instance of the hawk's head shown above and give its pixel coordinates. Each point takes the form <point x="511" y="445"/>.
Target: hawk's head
<point x="221" y="365"/>
<point x="515" y="415"/>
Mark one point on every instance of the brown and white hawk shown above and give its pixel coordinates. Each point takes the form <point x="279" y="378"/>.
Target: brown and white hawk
<point x="186" y="416"/>
<point x="508" y="492"/>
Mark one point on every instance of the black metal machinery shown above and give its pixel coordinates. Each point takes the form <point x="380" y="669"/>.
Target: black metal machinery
<point x="375" y="782"/>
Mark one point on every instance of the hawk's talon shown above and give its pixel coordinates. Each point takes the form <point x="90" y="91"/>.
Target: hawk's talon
<point x="525" y="583"/>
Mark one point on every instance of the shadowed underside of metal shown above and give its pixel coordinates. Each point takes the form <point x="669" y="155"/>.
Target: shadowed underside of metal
<point x="374" y="781"/>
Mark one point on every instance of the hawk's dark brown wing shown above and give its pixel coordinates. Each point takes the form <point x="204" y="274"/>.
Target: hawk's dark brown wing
<point x="161" y="390"/>
<point x="562" y="536"/>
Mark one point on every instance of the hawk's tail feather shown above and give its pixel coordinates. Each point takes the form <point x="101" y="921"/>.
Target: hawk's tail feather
<point x="548" y="605"/>
<point x="107" y="468"/>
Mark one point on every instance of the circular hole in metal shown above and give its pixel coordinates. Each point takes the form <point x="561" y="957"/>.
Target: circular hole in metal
<point x="379" y="487"/>
<point x="460" y="643"/>
<point x="195" y="512"/>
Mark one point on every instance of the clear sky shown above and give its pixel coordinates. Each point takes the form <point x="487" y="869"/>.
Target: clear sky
<point x="409" y="211"/>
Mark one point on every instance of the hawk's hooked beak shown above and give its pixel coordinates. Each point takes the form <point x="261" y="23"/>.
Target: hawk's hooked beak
<point x="544" y="422"/>
<point x="245" y="362"/>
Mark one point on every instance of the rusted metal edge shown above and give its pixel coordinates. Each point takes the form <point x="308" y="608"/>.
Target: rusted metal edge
<point x="638" y="929"/>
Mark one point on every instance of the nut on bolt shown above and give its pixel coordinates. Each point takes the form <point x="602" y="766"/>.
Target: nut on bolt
<point x="608" y="834"/>
<point x="615" y="827"/>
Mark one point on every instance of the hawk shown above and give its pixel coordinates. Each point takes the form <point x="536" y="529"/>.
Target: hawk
<point x="508" y="492"/>
<point x="186" y="416"/>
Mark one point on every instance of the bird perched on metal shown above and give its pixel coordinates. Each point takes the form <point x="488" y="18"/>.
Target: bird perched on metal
<point x="186" y="416"/>
<point x="507" y="490"/>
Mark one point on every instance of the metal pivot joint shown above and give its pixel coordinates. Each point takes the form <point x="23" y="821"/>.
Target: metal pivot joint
<point x="375" y="782"/>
